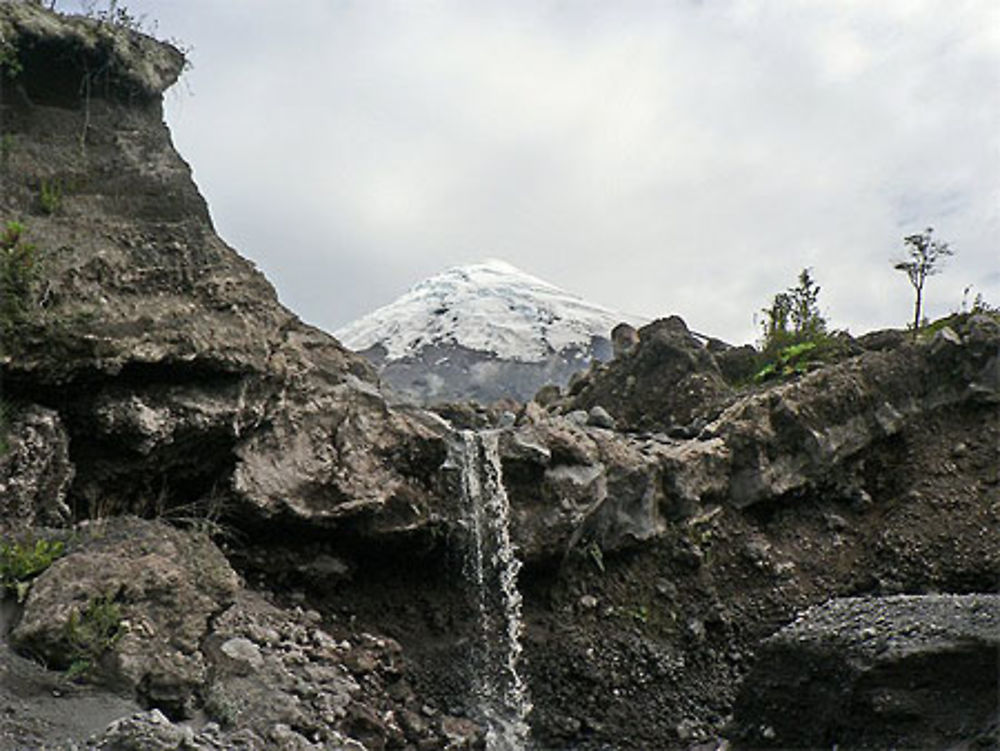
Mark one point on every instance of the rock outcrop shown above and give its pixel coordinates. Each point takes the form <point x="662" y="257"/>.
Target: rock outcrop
<point x="570" y="480"/>
<point x="180" y="379"/>
<point x="35" y="471"/>
<point x="667" y="380"/>
<point x="159" y="613"/>
<point x="131" y="603"/>
<point x="889" y="672"/>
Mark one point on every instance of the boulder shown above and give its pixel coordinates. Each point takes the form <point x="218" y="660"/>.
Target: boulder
<point x="737" y="364"/>
<point x="571" y="485"/>
<point x="668" y="379"/>
<point x="129" y="606"/>
<point x="883" y="339"/>
<point x="158" y="614"/>
<point x="599" y="418"/>
<point x="624" y="339"/>
<point x="891" y="672"/>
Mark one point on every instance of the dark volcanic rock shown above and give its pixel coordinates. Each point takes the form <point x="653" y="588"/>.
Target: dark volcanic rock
<point x="668" y="379"/>
<point x="737" y="364"/>
<point x="890" y="672"/>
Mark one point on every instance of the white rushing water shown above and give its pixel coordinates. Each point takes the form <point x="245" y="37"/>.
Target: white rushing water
<point x="500" y="691"/>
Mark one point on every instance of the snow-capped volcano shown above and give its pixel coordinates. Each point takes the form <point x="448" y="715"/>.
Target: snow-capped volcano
<point x="482" y="332"/>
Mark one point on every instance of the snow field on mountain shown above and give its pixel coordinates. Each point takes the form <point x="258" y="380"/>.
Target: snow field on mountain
<point x="491" y="307"/>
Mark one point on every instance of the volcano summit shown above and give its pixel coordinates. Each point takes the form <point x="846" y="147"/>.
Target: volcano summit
<point x="483" y="332"/>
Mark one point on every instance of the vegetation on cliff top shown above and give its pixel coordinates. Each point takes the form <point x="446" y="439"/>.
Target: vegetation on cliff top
<point x="924" y="258"/>
<point x="795" y="333"/>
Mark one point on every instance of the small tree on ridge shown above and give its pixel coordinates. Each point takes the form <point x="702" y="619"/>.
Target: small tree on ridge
<point x="793" y="316"/>
<point x="925" y="257"/>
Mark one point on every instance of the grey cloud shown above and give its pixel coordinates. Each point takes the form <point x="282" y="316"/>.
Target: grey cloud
<point x="657" y="157"/>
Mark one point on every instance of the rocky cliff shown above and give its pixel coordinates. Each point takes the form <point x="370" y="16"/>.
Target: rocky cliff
<point x="216" y="534"/>
<point x="176" y="376"/>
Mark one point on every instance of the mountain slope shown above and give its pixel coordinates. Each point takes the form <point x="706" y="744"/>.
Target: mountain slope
<point x="482" y="332"/>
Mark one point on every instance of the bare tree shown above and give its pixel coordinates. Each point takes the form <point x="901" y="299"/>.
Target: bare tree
<point x="925" y="257"/>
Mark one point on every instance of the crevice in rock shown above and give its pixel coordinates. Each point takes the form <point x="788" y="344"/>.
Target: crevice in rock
<point x="56" y="71"/>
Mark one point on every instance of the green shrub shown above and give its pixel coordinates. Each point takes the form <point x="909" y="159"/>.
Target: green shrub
<point x="793" y="316"/>
<point x="789" y="361"/>
<point x="18" y="272"/>
<point x="20" y="563"/>
<point x="10" y="60"/>
<point x="50" y="196"/>
<point x="91" y="632"/>
<point x="795" y="335"/>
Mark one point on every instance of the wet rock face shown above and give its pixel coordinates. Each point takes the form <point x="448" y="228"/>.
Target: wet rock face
<point x="905" y="671"/>
<point x="666" y="379"/>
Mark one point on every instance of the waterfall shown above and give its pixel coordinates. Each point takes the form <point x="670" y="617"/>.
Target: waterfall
<point x="492" y="567"/>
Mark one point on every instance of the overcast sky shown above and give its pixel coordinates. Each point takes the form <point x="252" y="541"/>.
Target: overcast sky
<point x="677" y="156"/>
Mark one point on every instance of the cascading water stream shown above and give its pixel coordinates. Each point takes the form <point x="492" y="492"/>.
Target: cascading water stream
<point x="500" y="691"/>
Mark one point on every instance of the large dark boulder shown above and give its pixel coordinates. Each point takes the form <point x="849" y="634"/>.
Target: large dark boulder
<point x="667" y="380"/>
<point x="873" y="673"/>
